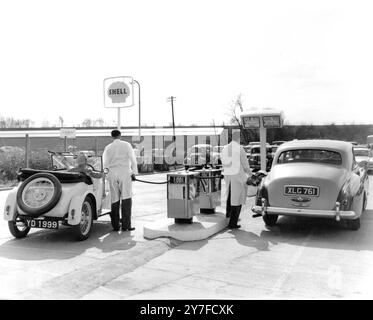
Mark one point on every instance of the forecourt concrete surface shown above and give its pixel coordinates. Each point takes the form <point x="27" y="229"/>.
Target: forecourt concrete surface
<point x="300" y="258"/>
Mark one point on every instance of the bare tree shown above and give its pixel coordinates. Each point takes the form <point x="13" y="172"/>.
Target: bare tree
<point x="14" y="123"/>
<point x="99" y="122"/>
<point x="234" y="117"/>
<point x="87" y="123"/>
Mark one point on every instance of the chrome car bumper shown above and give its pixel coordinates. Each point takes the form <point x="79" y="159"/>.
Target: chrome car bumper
<point x="301" y="212"/>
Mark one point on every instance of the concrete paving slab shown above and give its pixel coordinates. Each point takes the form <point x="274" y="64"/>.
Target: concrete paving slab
<point x="203" y="227"/>
<point x="140" y="280"/>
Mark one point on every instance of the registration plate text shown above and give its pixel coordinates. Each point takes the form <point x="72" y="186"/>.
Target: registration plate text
<point x="301" y="190"/>
<point x="44" y="224"/>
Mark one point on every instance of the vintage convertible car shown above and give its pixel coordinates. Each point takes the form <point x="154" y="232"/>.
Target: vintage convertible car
<point x="314" y="178"/>
<point x="48" y="198"/>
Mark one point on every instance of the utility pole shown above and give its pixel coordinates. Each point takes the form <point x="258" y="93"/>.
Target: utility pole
<point x="172" y="99"/>
<point x="138" y="84"/>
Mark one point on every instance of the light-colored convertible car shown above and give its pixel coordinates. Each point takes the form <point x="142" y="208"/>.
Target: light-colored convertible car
<point x="48" y="198"/>
<point x="314" y="178"/>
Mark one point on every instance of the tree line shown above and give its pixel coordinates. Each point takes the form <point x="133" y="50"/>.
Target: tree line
<point x="345" y="132"/>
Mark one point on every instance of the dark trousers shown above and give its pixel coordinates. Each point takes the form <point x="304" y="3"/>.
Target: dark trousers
<point x="232" y="212"/>
<point x="126" y="214"/>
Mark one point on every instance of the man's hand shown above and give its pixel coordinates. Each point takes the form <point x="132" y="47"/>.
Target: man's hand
<point x="88" y="170"/>
<point x="133" y="177"/>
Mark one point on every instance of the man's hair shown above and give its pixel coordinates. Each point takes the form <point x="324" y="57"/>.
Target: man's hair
<point x="115" y="133"/>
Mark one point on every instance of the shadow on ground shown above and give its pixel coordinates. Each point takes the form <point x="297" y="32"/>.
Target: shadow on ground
<point x="61" y="244"/>
<point x="320" y="233"/>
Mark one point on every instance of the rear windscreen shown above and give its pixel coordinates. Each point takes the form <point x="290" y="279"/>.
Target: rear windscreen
<point x="361" y="153"/>
<point x="310" y="155"/>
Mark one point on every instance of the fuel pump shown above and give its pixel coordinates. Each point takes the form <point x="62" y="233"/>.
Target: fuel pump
<point x="209" y="189"/>
<point x="182" y="196"/>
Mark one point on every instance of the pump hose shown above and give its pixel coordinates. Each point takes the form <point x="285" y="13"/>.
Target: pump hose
<point x="164" y="182"/>
<point x="209" y="178"/>
<point x="150" y="182"/>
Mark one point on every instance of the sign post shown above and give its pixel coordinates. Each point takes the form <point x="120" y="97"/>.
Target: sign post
<point x="118" y="93"/>
<point x="67" y="133"/>
<point x="262" y="120"/>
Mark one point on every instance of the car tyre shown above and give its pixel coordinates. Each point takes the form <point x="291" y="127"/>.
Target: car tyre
<point x="83" y="229"/>
<point x="353" y="224"/>
<point x="270" y="219"/>
<point x="15" y="230"/>
<point x="36" y="212"/>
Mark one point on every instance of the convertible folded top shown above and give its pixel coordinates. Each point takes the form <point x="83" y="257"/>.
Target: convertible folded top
<point x="62" y="176"/>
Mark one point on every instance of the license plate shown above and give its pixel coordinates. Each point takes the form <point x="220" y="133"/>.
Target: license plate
<point x="301" y="190"/>
<point x="44" y="224"/>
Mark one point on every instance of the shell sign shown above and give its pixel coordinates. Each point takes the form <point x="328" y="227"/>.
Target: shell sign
<point x="118" y="92"/>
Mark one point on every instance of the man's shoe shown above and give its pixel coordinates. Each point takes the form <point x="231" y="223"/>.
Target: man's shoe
<point x="237" y="226"/>
<point x="116" y="229"/>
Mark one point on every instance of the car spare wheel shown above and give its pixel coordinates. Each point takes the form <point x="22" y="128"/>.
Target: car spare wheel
<point x="39" y="194"/>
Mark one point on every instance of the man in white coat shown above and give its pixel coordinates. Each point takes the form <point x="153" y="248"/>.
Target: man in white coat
<point x="236" y="170"/>
<point x="120" y="159"/>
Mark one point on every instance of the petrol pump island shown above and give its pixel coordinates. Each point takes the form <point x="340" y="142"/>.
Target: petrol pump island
<point x="194" y="196"/>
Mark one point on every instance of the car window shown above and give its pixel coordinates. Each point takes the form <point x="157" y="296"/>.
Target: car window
<point x="95" y="162"/>
<point x="67" y="162"/>
<point x="361" y="153"/>
<point x="257" y="150"/>
<point x="310" y="155"/>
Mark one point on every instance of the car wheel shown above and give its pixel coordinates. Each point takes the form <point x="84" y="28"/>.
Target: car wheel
<point x="39" y="194"/>
<point x="270" y="219"/>
<point x="83" y="229"/>
<point x="353" y="224"/>
<point x="19" y="227"/>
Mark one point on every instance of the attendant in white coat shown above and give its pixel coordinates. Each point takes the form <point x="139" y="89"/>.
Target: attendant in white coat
<point x="120" y="159"/>
<point x="236" y="170"/>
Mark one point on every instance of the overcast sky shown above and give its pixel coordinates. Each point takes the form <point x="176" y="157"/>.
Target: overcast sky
<point x="312" y="59"/>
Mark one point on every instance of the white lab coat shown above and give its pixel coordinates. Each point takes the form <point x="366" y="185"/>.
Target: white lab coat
<point x="236" y="170"/>
<point x="120" y="159"/>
